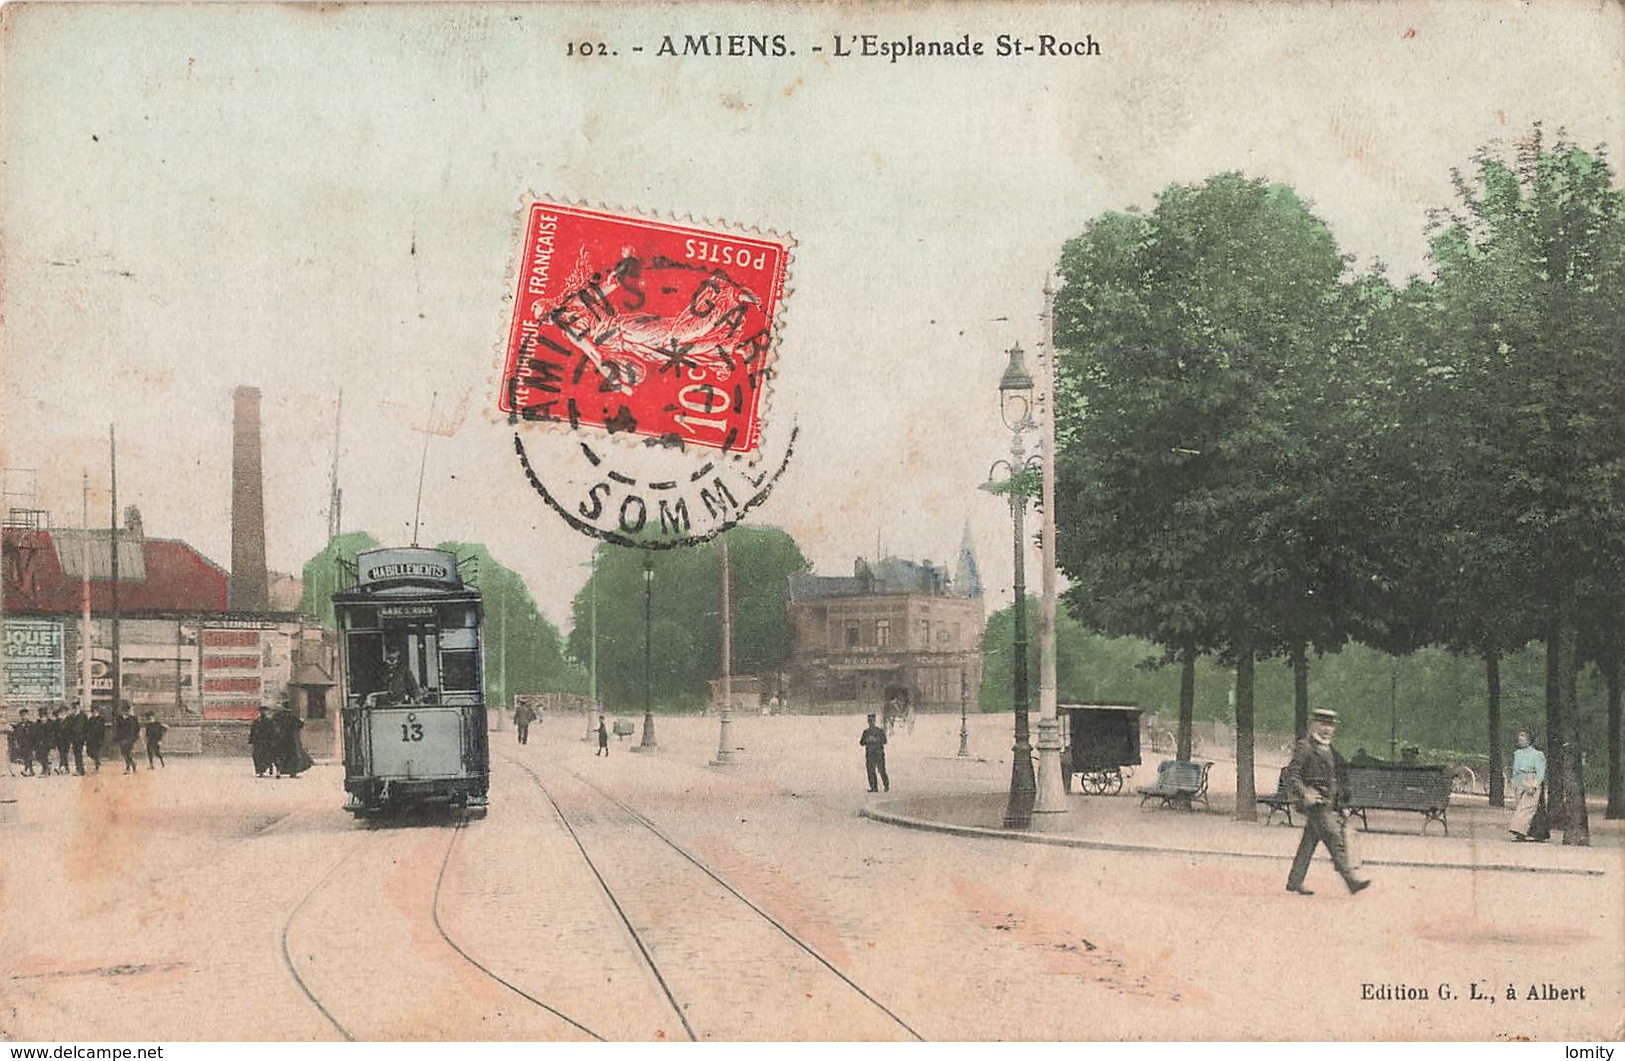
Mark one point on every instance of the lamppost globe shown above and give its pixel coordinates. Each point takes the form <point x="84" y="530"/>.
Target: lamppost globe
<point x="1016" y="392"/>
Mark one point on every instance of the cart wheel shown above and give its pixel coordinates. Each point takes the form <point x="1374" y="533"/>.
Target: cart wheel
<point x="1094" y="782"/>
<point x="1116" y="779"/>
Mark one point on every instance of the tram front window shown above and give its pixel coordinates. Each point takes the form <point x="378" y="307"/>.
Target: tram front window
<point x="389" y="666"/>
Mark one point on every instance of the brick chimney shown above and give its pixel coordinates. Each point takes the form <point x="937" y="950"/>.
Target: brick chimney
<point x="248" y="590"/>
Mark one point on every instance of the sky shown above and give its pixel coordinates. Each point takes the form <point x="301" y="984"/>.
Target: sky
<point x="328" y="198"/>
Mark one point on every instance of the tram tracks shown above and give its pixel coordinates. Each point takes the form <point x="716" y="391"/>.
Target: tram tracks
<point x="335" y="977"/>
<point x="778" y="985"/>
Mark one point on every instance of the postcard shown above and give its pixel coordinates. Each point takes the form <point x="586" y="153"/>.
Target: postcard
<point x="639" y="521"/>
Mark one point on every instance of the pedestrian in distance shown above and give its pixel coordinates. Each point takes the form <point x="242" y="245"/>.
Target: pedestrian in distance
<point x="1529" y="819"/>
<point x="95" y="733"/>
<point x="45" y="730"/>
<point x="523" y="716"/>
<point x="603" y="737"/>
<point x="78" y="723"/>
<point x="64" y="739"/>
<point x="155" y="731"/>
<point x="291" y="757"/>
<point x="1315" y="781"/>
<point x="20" y="743"/>
<point x="262" y="743"/>
<point x="873" y="742"/>
<point x="126" y="731"/>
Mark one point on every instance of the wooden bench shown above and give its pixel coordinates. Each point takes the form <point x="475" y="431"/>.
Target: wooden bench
<point x="1424" y="789"/>
<point x="1280" y="801"/>
<point x="1177" y="779"/>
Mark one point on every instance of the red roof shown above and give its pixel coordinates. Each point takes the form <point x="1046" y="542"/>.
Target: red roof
<point x="174" y="578"/>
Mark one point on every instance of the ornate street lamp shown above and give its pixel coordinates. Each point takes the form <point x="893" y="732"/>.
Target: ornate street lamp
<point x="1015" y="408"/>
<point x="648" y="744"/>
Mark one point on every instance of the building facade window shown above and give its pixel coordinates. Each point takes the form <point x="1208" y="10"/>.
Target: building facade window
<point x="852" y="637"/>
<point x="882" y="633"/>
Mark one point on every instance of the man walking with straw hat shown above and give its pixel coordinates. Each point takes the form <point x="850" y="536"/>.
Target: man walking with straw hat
<point x="1314" y="780"/>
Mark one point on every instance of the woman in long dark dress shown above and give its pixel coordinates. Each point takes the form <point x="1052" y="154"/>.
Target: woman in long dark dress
<point x="291" y="757"/>
<point x="262" y="742"/>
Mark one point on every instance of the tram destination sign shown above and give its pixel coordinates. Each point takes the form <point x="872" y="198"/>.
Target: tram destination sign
<point x="405" y="611"/>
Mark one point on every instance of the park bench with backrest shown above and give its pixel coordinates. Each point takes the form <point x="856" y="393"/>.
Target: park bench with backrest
<point x="1424" y="789"/>
<point x="1178" y="781"/>
<point x="1280" y="801"/>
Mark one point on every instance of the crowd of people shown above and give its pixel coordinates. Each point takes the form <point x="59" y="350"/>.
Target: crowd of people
<point x="58" y="740"/>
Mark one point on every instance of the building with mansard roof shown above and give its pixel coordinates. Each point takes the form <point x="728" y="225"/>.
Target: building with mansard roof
<point x="892" y="630"/>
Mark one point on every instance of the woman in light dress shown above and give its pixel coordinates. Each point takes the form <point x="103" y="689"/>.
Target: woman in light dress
<point x="1528" y="776"/>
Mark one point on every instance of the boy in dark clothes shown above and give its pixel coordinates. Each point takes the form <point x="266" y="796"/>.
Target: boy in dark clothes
<point x="155" y="737"/>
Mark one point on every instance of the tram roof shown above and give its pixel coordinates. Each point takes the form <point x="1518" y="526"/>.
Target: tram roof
<point x="405" y="590"/>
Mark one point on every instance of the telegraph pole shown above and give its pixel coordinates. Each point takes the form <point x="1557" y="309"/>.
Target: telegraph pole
<point x="86" y="636"/>
<point x="1049" y="803"/>
<point x="118" y="655"/>
<point x="725" y="748"/>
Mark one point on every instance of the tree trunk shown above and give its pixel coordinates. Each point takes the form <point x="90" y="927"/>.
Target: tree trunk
<point x="1553" y="745"/>
<point x="1246" y="796"/>
<point x="1492" y="679"/>
<point x="1616" y="796"/>
<point x="1570" y="773"/>
<point x="1187" y="699"/>
<point x="1300" y="691"/>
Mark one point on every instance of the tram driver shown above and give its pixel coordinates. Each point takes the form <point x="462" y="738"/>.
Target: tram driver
<point x="400" y="684"/>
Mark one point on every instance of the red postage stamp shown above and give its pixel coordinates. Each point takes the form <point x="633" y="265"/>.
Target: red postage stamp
<point x="645" y="327"/>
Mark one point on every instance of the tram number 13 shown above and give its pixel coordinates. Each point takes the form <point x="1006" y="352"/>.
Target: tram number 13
<point x="411" y="729"/>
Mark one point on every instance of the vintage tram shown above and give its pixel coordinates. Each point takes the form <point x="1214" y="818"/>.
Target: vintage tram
<point x="414" y="719"/>
<point x="1099" y="741"/>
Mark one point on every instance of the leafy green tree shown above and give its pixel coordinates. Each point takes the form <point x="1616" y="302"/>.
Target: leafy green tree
<point x="1081" y="673"/>
<point x="524" y="652"/>
<point x="1529" y="267"/>
<point x="1195" y="506"/>
<point x="330" y="571"/>
<point x="684" y="616"/>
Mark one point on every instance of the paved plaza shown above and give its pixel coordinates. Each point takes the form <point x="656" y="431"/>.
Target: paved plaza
<point x="199" y="903"/>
